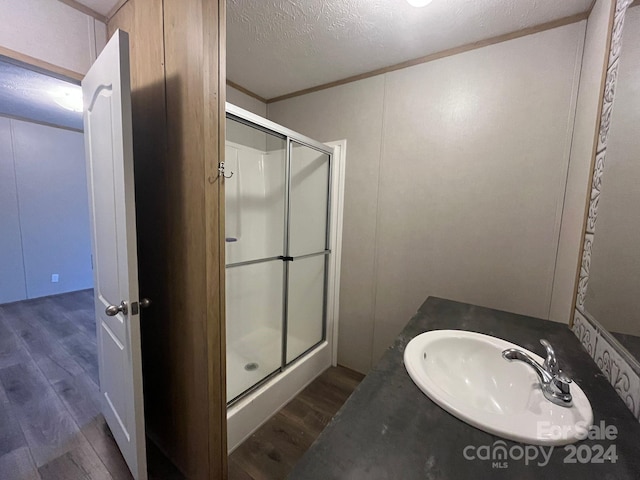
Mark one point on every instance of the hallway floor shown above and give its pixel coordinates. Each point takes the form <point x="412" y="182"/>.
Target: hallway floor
<point x="50" y="421"/>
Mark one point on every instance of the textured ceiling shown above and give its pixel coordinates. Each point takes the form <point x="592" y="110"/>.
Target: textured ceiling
<point x="275" y="47"/>
<point x="103" y="7"/>
<point x="31" y="95"/>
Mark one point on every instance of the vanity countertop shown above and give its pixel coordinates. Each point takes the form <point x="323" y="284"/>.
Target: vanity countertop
<point x="388" y="429"/>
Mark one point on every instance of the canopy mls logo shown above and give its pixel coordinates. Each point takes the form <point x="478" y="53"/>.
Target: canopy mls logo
<point x="500" y="454"/>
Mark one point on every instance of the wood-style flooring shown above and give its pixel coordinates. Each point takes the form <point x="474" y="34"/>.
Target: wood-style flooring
<point x="50" y="421"/>
<point x="51" y="427"/>
<point x="272" y="451"/>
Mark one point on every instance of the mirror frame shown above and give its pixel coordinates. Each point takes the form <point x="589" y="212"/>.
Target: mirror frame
<point x="618" y="365"/>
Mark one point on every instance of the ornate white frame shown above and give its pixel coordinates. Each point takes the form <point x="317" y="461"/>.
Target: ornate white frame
<point x="620" y="368"/>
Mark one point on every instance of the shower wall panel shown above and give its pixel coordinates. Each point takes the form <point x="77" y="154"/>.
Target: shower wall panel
<point x="255" y="204"/>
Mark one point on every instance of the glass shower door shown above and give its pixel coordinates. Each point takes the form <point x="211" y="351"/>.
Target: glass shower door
<point x="254" y="231"/>
<point x="254" y="324"/>
<point x="276" y="229"/>
<point x="308" y="249"/>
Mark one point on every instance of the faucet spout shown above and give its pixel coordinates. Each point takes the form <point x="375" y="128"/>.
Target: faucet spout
<point x="555" y="385"/>
<point x="516" y="354"/>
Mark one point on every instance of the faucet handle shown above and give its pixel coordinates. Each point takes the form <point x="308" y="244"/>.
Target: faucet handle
<point x="562" y="382"/>
<point x="559" y="390"/>
<point x="551" y="362"/>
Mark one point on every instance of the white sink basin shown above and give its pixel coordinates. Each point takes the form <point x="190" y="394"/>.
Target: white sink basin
<point x="465" y="373"/>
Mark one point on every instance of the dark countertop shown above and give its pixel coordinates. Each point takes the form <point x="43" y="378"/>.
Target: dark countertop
<point x="388" y="429"/>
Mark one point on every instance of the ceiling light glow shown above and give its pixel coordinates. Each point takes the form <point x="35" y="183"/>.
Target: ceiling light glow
<point x="419" y="3"/>
<point x="69" y="98"/>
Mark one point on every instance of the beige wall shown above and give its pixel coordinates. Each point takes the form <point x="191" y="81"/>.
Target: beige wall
<point x="353" y="111"/>
<point x="582" y="151"/>
<point x="242" y="100"/>
<point x="53" y="32"/>
<point x="455" y="181"/>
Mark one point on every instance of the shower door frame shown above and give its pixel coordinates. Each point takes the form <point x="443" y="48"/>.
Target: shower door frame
<point x="254" y="121"/>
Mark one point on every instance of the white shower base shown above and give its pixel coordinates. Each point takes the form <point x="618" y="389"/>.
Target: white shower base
<point x="250" y="412"/>
<point x="261" y="348"/>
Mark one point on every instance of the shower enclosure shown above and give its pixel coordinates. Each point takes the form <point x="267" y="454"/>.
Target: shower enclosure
<point x="277" y="193"/>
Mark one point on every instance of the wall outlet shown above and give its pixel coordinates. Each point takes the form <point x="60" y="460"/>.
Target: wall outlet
<point x="55" y="277"/>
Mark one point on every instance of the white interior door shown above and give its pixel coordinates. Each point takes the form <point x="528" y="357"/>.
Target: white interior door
<point x="108" y="137"/>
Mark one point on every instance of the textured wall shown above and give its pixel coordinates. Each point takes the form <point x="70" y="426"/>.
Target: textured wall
<point x="455" y="181"/>
<point x="46" y="227"/>
<point x="51" y="31"/>
<point x="353" y="111"/>
<point x="58" y="34"/>
<point x="243" y="100"/>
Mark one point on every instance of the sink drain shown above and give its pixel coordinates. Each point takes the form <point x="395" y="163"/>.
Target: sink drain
<point x="250" y="367"/>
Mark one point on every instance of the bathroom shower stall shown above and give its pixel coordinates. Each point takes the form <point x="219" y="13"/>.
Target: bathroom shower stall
<point x="278" y="239"/>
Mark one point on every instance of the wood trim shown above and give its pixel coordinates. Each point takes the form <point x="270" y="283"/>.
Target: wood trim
<point x="215" y="121"/>
<point x="38" y="122"/>
<point x="438" y="55"/>
<point x="194" y="51"/>
<point x="42" y="65"/>
<point x="240" y="88"/>
<point x="84" y="9"/>
<point x="186" y="436"/>
<point x="116" y="8"/>
<point x="594" y="148"/>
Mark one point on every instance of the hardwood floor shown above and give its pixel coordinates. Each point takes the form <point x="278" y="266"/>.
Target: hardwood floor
<point x="50" y="421"/>
<point x="51" y="427"/>
<point x="272" y="451"/>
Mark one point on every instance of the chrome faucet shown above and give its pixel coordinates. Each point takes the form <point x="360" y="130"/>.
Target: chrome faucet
<point x="555" y="384"/>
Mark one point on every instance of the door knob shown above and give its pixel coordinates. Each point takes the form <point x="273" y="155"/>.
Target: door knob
<point x="145" y="302"/>
<point x="113" y="310"/>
